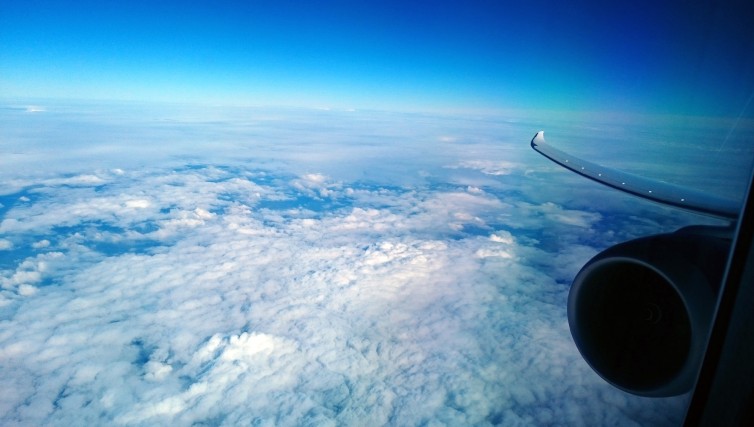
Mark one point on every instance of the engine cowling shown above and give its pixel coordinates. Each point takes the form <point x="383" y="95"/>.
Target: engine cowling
<point x="640" y="311"/>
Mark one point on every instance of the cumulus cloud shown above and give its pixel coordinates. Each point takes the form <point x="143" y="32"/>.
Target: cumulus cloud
<point x="315" y="184"/>
<point x="223" y="295"/>
<point x="78" y="180"/>
<point x="490" y="167"/>
<point x="41" y="244"/>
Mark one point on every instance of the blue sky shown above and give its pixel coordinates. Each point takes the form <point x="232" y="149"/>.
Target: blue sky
<point x="670" y="57"/>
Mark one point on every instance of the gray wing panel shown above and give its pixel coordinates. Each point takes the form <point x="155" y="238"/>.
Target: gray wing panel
<point x="656" y="191"/>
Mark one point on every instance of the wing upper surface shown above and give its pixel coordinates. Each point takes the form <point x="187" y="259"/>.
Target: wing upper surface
<point x="656" y="191"/>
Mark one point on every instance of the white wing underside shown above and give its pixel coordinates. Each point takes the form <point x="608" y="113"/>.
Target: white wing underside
<point x="656" y="191"/>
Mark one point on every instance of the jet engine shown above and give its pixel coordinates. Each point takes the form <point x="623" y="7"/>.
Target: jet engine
<point x="640" y="311"/>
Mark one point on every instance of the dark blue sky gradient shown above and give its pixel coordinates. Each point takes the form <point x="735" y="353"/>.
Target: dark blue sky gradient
<point x="669" y="57"/>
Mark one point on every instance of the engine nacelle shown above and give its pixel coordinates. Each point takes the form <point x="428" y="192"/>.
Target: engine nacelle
<point x="640" y="311"/>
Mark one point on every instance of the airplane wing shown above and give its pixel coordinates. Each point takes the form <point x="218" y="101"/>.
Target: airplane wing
<point x="656" y="191"/>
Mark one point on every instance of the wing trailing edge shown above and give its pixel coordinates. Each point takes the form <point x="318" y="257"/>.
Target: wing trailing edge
<point x="657" y="191"/>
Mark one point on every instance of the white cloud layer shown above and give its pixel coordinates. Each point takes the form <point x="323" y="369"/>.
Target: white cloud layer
<point x="223" y="295"/>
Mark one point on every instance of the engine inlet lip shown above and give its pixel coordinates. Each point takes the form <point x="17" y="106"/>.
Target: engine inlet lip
<point x="691" y="290"/>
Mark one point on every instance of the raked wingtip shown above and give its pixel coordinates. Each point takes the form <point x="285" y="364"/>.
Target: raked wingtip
<point x="539" y="138"/>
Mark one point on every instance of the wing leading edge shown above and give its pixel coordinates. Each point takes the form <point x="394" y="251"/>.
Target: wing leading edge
<point x="656" y="191"/>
